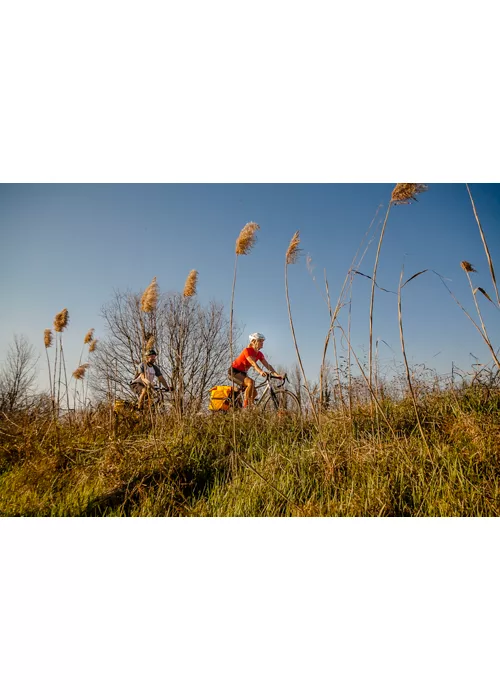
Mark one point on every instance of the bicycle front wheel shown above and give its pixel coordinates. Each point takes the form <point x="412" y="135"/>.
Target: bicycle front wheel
<point x="282" y="401"/>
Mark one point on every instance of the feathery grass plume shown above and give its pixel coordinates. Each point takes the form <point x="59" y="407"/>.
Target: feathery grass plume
<point x="47" y="337"/>
<point x="150" y="297"/>
<point x="92" y="345"/>
<point x="89" y="337"/>
<point x="79" y="372"/>
<point x="404" y="192"/>
<point x="61" y="320"/>
<point x="247" y="238"/>
<point x="293" y="252"/>
<point x="467" y="267"/>
<point x="150" y="343"/>
<point x="190" y="286"/>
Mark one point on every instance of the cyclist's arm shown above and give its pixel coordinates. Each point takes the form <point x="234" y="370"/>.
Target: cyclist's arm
<point x="271" y="369"/>
<point x="256" y="367"/>
<point x="162" y="381"/>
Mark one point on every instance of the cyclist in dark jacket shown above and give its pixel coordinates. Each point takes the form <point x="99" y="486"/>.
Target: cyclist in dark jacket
<point x="143" y="383"/>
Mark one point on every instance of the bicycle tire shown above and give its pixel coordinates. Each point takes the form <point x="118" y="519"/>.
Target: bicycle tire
<point x="286" y="402"/>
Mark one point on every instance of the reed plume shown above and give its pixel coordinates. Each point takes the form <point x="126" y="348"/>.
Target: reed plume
<point x="467" y="267"/>
<point x="89" y="337"/>
<point x="150" y="343"/>
<point x="47" y="337"/>
<point x="247" y="238"/>
<point x="150" y="297"/>
<point x="92" y="345"/>
<point x="190" y="285"/>
<point x="293" y="252"/>
<point x="79" y="372"/>
<point x="61" y="320"/>
<point x="404" y="192"/>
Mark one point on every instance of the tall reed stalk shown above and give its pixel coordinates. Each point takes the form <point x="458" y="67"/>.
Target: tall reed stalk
<point x="485" y="245"/>
<point x="292" y="255"/>
<point x="188" y="292"/>
<point x="348" y="281"/>
<point x="149" y="303"/>
<point x="403" y="193"/>
<point x="89" y="337"/>
<point x="407" y="368"/>
<point x="468" y="268"/>
<point x="61" y="321"/>
<point x="47" y="341"/>
<point x="244" y="243"/>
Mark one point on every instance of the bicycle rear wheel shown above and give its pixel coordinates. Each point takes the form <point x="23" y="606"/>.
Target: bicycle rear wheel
<point x="282" y="401"/>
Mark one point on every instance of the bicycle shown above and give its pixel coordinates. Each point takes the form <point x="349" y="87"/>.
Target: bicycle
<point x="156" y="402"/>
<point x="273" y="399"/>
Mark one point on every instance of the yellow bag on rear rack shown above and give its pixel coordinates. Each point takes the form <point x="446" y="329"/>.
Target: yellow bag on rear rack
<point x="220" y="398"/>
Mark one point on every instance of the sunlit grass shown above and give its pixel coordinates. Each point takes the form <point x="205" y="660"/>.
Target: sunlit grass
<point x="189" y="470"/>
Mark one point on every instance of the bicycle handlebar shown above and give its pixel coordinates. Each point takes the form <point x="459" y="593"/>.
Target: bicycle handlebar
<point x="270" y="375"/>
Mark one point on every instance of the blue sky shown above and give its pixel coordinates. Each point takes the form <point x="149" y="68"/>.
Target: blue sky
<point x="72" y="245"/>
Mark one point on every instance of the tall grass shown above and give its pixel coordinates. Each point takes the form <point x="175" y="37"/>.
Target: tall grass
<point x="189" y="470"/>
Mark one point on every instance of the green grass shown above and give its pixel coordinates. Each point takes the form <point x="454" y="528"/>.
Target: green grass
<point x="282" y="468"/>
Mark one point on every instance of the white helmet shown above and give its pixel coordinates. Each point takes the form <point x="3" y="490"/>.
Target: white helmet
<point x="256" y="336"/>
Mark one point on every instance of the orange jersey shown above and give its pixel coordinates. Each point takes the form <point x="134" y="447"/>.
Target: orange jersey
<point x="241" y="364"/>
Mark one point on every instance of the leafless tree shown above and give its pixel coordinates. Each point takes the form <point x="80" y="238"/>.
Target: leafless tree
<point x="192" y="342"/>
<point x="17" y="375"/>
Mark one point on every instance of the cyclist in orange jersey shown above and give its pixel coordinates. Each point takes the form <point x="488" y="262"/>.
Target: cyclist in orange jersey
<point x="247" y="359"/>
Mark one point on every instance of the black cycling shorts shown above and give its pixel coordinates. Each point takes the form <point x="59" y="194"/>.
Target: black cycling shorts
<point x="237" y="376"/>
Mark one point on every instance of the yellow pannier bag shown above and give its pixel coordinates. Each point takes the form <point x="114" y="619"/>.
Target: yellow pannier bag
<point x="220" y="398"/>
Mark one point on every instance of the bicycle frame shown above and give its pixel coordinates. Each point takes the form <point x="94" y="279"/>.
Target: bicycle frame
<point x="269" y="387"/>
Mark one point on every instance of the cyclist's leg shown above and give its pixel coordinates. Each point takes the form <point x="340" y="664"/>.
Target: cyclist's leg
<point x="145" y="394"/>
<point x="249" y="392"/>
<point x="241" y="380"/>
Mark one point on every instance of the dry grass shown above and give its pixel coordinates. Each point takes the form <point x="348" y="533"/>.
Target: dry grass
<point x="190" y="470"/>
<point x="467" y="267"/>
<point x="190" y="285"/>
<point x="47" y="337"/>
<point x="89" y="337"/>
<point x="93" y="345"/>
<point x="149" y="298"/>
